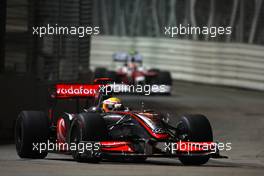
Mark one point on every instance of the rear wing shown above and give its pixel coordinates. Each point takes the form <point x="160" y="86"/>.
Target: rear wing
<point x="80" y="96"/>
<point x="76" y="90"/>
<point x="125" y="57"/>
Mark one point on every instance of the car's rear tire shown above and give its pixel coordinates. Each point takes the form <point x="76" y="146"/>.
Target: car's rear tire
<point x="100" y="72"/>
<point x="32" y="127"/>
<point x="87" y="127"/>
<point x="112" y="75"/>
<point x="154" y="70"/>
<point x="198" y="129"/>
<point x="164" y="77"/>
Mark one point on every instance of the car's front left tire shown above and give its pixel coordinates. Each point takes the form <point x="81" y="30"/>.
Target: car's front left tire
<point x="87" y="127"/>
<point x="31" y="130"/>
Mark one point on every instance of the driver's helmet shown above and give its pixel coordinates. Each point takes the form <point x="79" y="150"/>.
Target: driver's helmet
<point x="112" y="104"/>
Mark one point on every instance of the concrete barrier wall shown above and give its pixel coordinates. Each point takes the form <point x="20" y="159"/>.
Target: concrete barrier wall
<point x="238" y="65"/>
<point x="18" y="93"/>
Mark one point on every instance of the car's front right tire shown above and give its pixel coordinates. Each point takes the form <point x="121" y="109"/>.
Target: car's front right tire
<point x="197" y="128"/>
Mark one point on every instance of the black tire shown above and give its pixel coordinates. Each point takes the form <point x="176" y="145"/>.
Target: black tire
<point x="31" y="127"/>
<point x="164" y="77"/>
<point x="87" y="127"/>
<point x="100" y="72"/>
<point x="112" y="75"/>
<point x="152" y="79"/>
<point x="198" y="129"/>
<point x="154" y="70"/>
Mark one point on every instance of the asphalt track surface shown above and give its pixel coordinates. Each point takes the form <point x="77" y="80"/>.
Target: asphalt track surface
<point x="237" y="116"/>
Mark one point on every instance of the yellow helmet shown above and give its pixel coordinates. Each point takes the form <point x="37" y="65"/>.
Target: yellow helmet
<point x="111" y="103"/>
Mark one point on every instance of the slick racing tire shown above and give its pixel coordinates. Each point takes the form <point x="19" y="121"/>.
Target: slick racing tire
<point x="100" y="72"/>
<point x="164" y="77"/>
<point x="87" y="127"/>
<point x="198" y="129"/>
<point x="31" y="128"/>
<point x="112" y="75"/>
<point x="154" y="70"/>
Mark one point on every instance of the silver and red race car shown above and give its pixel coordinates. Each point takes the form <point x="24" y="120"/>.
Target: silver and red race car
<point x="132" y="72"/>
<point x="93" y="135"/>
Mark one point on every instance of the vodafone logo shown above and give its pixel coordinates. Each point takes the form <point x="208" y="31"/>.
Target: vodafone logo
<point x="75" y="90"/>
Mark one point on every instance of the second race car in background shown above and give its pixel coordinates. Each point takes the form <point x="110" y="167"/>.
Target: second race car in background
<point x="132" y="72"/>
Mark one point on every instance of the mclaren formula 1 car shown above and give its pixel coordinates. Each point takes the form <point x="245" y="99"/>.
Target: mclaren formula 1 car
<point x="132" y="72"/>
<point x="93" y="135"/>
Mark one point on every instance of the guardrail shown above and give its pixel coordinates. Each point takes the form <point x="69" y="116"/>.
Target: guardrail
<point x="228" y="64"/>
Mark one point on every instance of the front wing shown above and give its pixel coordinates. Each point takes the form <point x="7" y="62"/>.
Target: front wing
<point x="110" y="149"/>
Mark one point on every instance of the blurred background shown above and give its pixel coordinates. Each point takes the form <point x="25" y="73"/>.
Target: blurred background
<point x="28" y="63"/>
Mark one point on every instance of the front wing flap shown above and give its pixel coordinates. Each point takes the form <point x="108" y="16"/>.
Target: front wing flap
<point x="108" y="149"/>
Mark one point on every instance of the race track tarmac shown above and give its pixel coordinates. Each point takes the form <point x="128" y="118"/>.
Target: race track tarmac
<point x="237" y="116"/>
